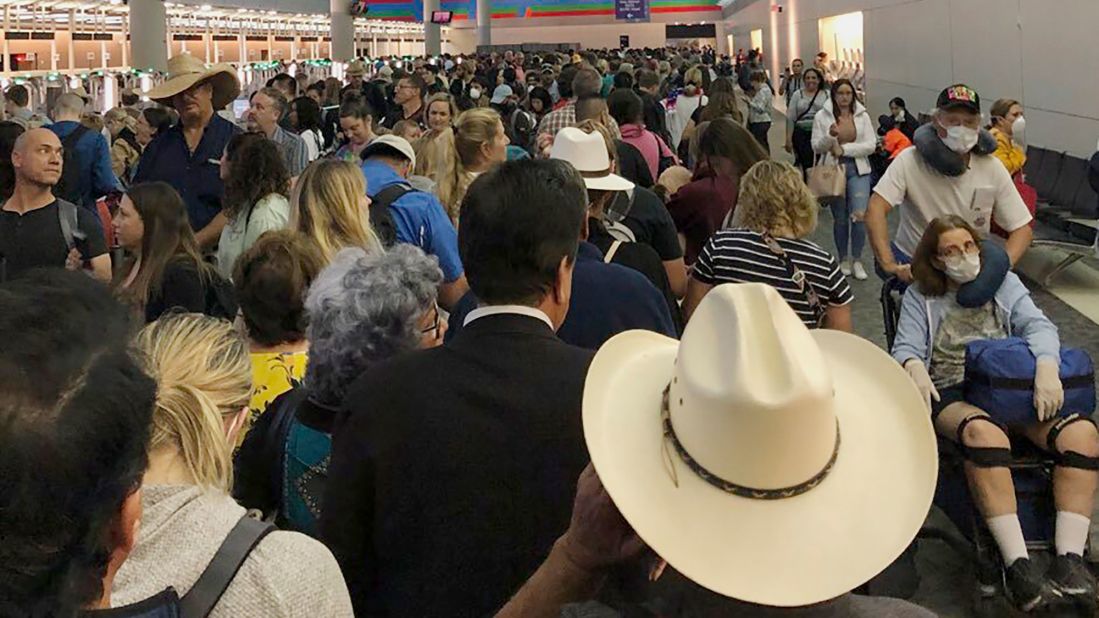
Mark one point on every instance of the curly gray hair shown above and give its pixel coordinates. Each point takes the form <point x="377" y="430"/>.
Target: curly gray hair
<point x="364" y="309"/>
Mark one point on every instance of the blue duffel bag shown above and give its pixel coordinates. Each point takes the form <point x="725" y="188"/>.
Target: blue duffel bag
<point x="999" y="379"/>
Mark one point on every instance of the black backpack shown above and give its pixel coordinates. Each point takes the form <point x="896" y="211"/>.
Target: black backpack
<point x="380" y="217"/>
<point x="221" y="298"/>
<point x="68" y="187"/>
<point x="201" y="599"/>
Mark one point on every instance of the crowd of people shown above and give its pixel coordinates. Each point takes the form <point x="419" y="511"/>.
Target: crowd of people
<point x="457" y="337"/>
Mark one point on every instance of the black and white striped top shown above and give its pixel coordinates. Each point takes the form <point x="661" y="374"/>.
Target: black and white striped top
<point x="741" y="256"/>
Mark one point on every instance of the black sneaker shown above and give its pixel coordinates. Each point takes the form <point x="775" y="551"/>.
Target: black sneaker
<point x="1026" y="587"/>
<point x="1071" y="577"/>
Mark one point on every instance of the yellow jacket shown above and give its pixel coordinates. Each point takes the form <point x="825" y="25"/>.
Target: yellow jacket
<point x="1012" y="155"/>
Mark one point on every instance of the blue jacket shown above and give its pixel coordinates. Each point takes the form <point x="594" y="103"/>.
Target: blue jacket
<point x="921" y="316"/>
<point x="96" y="177"/>
<point x="420" y="219"/>
<point x="607" y="299"/>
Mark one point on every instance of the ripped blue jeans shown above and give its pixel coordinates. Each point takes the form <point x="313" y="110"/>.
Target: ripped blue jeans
<point x="847" y="230"/>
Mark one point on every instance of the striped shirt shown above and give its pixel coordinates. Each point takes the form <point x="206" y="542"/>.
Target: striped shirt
<point x="741" y="256"/>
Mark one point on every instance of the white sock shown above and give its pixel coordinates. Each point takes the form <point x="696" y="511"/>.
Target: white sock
<point x="1008" y="534"/>
<point x="1072" y="533"/>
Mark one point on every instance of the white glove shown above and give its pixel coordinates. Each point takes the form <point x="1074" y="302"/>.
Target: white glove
<point x="918" y="372"/>
<point x="1049" y="395"/>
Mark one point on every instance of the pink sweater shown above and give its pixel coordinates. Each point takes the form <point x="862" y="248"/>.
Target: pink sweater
<point x="651" y="146"/>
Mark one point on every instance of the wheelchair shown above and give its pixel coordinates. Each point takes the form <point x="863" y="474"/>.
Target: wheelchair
<point x="1031" y="472"/>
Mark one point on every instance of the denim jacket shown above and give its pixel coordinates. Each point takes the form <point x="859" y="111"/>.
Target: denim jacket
<point x="921" y="316"/>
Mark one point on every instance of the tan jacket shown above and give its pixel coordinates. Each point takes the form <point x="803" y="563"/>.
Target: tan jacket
<point x="123" y="159"/>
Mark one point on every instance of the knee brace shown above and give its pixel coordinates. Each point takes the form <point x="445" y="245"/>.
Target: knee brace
<point x="1070" y="459"/>
<point x="983" y="457"/>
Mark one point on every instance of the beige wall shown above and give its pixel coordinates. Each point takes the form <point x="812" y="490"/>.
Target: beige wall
<point x="1035" y="51"/>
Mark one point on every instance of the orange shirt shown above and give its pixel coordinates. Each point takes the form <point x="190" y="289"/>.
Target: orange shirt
<point x="895" y="142"/>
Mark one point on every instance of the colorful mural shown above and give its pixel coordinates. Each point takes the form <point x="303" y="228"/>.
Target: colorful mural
<point x="412" y="10"/>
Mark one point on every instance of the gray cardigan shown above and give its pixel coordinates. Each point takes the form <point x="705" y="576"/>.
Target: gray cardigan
<point x="286" y="575"/>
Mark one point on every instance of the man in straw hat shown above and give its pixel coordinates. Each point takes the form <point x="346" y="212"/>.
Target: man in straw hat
<point x="187" y="156"/>
<point x="775" y="466"/>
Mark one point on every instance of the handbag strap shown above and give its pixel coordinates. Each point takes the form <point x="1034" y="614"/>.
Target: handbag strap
<point x="797" y="276"/>
<point x="807" y="109"/>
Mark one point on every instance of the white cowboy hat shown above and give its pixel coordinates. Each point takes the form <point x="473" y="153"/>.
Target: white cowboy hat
<point x="587" y="152"/>
<point x="796" y="465"/>
<point x="184" y="71"/>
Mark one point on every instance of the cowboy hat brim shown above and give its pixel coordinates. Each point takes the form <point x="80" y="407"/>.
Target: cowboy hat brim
<point x="789" y="552"/>
<point x="224" y="79"/>
<point x="610" y="182"/>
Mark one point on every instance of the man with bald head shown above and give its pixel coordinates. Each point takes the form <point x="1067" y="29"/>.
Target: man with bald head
<point x="32" y="221"/>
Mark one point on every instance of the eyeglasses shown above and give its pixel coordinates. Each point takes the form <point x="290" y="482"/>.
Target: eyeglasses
<point x="953" y="251"/>
<point x="436" y="322"/>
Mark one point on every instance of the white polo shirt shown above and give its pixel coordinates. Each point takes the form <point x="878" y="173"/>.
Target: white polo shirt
<point x="982" y="194"/>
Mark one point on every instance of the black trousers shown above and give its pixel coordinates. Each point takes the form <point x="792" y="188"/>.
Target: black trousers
<point x="759" y="130"/>
<point x="803" y="148"/>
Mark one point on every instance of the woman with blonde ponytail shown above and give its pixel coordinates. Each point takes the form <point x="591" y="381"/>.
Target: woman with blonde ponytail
<point x="480" y="142"/>
<point x="204" y="381"/>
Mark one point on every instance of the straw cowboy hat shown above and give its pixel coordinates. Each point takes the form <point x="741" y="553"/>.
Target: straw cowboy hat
<point x="184" y="71"/>
<point x="763" y="461"/>
<point x="587" y="152"/>
<point x="355" y="67"/>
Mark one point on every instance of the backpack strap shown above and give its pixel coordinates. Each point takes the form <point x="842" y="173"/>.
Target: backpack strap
<point x="234" y="550"/>
<point x="67" y="217"/>
<point x="390" y="194"/>
<point x="610" y="252"/>
<point x="71" y="139"/>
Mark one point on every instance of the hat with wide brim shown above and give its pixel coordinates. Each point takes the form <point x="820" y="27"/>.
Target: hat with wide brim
<point x="587" y="152"/>
<point x="786" y="552"/>
<point x="185" y="71"/>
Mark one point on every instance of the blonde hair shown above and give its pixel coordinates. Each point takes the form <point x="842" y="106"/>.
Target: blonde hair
<point x="693" y="78"/>
<point x="473" y="129"/>
<point x="326" y="208"/>
<point x="773" y="198"/>
<point x="204" y="377"/>
<point x="445" y="97"/>
<point x="122" y="115"/>
<point x="435" y="155"/>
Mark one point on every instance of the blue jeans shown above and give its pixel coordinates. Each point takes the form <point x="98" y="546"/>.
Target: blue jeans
<point x="846" y="230"/>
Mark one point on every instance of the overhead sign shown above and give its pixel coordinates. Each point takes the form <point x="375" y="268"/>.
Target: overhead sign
<point x="631" y="10"/>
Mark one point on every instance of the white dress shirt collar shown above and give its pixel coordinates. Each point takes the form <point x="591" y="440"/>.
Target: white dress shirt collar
<point x="532" y="312"/>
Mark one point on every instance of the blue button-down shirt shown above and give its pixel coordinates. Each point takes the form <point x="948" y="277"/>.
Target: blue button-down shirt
<point x="96" y="177"/>
<point x="420" y="219"/>
<point x="196" y="175"/>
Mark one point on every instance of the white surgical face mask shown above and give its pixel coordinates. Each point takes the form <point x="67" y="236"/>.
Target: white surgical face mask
<point x="899" y="116"/>
<point x="961" y="139"/>
<point x="963" y="269"/>
<point x="1018" y="129"/>
<point x="475" y="94"/>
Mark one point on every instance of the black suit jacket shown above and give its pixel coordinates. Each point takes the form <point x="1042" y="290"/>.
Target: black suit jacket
<point x="453" y="470"/>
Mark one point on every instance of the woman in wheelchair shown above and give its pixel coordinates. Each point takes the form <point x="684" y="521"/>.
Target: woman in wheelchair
<point x="932" y="334"/>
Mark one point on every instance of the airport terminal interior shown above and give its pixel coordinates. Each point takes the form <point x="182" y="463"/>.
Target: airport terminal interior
<point x="329" y="343"/>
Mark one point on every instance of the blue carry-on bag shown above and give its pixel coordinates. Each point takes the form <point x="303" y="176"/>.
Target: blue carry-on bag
<point x="999" y="379"/>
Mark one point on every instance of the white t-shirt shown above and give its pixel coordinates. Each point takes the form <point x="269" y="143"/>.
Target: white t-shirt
<point x="982" y="194"/>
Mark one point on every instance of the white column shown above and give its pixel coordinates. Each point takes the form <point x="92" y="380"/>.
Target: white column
<point x="7" y="28"/>
<point x="125" y="47"/>
<point x="148" y="32"/>
<point x="433" y="44"/>
<point x="484" y="22"/>
<point x="343" y="31"/>
<point x="72" y="45"/>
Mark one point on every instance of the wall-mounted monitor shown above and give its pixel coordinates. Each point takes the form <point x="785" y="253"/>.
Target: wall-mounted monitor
<point x="441" y="17"/>
<point x="359" y="8"/>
